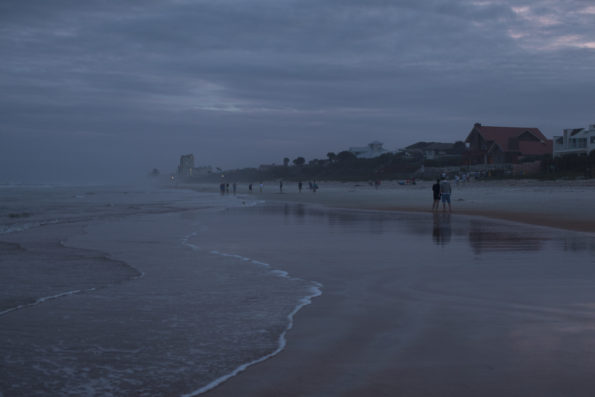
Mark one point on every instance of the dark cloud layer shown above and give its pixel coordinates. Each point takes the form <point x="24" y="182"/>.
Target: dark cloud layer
<point x="108" y="89"/>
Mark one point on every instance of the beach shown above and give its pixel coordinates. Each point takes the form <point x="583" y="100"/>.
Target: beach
<point x="348" y="291"/>
<point x="562" y="204"/>
<point x="510" y="319"/>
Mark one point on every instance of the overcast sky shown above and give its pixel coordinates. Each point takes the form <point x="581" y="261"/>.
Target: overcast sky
<point x="111" y="89"/>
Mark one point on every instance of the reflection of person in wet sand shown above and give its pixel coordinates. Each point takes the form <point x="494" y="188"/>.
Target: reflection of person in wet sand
<point x="436" y="193"/>
<point x="442" y="231"/>
<point x="445" y="191"/>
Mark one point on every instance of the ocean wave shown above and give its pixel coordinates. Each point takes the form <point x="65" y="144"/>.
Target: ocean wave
<point x="15" y="228"/>
<point x="315" y="291"/>
<point x="44" y="299"/>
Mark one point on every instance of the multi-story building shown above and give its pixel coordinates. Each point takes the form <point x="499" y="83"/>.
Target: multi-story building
<point x="575" y="141"/>
<point x="498" y="145"/>
<point x="186" y="165"/>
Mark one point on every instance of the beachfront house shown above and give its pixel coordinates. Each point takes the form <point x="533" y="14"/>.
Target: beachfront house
<point x="437" y="150"/>
<point x="372" y="150"/>
<point x="500" y="145"/>
<point x="575" y="141"/>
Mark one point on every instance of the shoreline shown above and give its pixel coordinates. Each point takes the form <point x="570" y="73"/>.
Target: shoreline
<point x="558" y="204"/>
<point x="405" y="314"/>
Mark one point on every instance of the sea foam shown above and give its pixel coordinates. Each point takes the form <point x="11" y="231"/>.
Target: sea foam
<point x="314" y="291"/>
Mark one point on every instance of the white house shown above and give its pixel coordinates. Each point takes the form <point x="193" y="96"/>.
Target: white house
<point x="374" y="149"/>
<point x="575" y="141"/>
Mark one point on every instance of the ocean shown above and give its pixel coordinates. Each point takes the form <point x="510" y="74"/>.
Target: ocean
<point x="151" y="291"/>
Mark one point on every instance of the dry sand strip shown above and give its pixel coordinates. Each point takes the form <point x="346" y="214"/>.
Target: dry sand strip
<point x="561" y="204"/>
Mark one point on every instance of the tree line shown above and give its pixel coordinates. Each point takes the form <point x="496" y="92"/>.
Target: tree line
<point x="343" y="166"/>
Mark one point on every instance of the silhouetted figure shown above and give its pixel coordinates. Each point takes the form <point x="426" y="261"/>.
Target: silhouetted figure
<point x="436" y="193"/>
<point x="234" y="187"/>
<point x="250" y="188"/>
<point x="222" y="188"/>
<point x="445" y="191"/>
<point x="280" y="186"/>
<point x="300" y="186"/>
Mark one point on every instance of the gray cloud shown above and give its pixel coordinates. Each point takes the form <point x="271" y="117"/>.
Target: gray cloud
<point x="124" y="87"/>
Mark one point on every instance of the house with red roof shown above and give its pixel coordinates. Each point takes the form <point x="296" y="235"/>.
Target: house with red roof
<point x="498" y="145"/>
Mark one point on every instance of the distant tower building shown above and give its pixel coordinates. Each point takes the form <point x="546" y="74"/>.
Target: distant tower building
<point x="186" y="165"/>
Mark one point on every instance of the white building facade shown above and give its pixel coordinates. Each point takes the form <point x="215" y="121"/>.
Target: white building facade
<point x="575" y="141"/>
<point x="374" y="149"/>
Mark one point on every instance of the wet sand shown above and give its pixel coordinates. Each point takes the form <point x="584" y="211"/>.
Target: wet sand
<point x="413" y="303"/>
<point x="514" y="318"/>
<point x="560" y="204"/>
<point x="423" y="305"/>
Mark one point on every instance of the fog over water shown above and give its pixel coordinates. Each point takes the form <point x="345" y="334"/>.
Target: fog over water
<point x="105" y="91"/>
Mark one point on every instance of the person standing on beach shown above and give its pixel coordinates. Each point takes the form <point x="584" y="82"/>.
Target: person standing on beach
<point x="280" y="186"/>
<point x="445" y="191"/>
<point x="300" y="186"/>
<point x="436" y="192"/>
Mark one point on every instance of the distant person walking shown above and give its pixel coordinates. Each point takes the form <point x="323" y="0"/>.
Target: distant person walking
<point x="436" y="193"/>
<point x="280" y="186"/>
<point x="445" y="191"/>
<point x="250" y="188"/>
<point x="300" y="186"/>
<point x="234" y="187"/>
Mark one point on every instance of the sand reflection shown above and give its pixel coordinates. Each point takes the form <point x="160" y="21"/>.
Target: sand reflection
<point x="442" y="231"/>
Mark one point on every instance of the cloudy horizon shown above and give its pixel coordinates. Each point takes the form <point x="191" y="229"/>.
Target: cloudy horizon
<point x="108" y="90"/>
